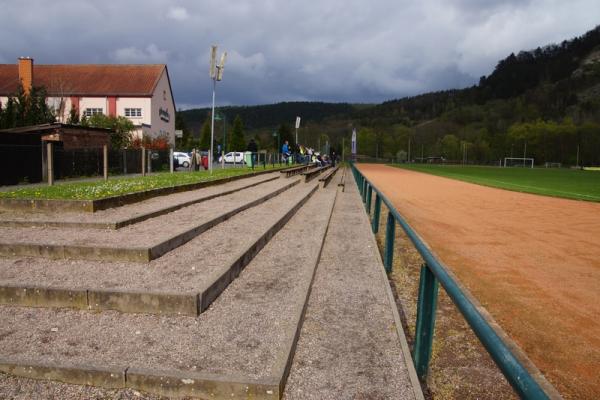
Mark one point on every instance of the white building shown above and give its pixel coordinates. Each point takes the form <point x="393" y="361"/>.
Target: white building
<point x="141" y="93"/>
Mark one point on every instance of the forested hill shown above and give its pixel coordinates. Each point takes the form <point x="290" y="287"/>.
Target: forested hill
<point x="545" y="101"/>
<point x="272" y="115"/>
<point x="558" y="70"/>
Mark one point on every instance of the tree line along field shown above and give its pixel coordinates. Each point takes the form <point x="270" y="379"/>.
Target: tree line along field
<point x="557" y="182"/>
<point x="545" y="101"/>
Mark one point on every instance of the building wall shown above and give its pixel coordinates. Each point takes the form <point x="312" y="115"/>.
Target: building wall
<point x="136" y="102"/>
<point x="162" y="99"/>
<point x="92" y="102"/>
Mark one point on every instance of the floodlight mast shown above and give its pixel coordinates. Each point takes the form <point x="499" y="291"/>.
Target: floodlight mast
<point x="216" y="74"/>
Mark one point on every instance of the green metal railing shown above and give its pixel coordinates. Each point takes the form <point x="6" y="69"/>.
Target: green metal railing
<point x="434" y="273"/>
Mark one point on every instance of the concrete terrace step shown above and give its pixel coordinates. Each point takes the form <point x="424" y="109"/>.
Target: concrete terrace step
<point x="351" y="344"/>
<point x="328" y="176"/>
<point x="298" y="170"/>
<point x="117" y="218"/>
<point x="60" y="205"/>
<point x="184" y="281"/>
<point x="342" y="181"/>
<point x="313" y="173"/>
<point x="139" y="242"/>
<point x="241" y="347"/>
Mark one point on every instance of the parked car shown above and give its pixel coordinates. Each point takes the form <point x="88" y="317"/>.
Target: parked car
<point x="183" y="159"/>
<point x="229" y="157"/>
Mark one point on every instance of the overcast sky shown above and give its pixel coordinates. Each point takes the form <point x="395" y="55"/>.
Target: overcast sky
<point x="287" y="50"/>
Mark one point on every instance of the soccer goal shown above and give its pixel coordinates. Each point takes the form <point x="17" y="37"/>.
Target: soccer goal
<point x="518" y="162"/>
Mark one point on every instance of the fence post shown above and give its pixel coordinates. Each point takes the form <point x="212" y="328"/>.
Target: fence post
<point x="363" y="191"/>
<point x="390" y="234"/>
<point x="369" y="198"/>
<point x="143" y="161"/>
<point x="428" y="290"/>
<point x="105" y="162"/>
<point x="171" y="166"/>
<point x="50" y="161"/>
<point x="376" y="214"/>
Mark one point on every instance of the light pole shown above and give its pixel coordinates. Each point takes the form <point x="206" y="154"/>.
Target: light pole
<point x="222" y="117"/>
<point x="297" y="126"/>
<point x="216" y="74"/>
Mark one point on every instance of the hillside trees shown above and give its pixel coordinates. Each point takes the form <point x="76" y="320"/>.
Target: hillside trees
<point x="285" y="133"/>
<point x="204" y="143"/>
<point x="547" y="141"/>
<point x="237" y="143"/>
<point x="450" y="147"/>
<point x="185" y="141"/>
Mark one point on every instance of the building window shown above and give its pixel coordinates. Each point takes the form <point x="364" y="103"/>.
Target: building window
<point x="133" y="112"/>
<point x="88" y="112"/>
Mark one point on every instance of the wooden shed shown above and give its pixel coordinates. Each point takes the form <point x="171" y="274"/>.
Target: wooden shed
<point x="29" y="151"/>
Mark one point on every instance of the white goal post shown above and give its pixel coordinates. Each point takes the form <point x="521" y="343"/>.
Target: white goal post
<point x="518" y="162"/>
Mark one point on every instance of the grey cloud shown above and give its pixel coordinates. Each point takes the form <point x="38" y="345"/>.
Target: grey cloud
<point x="332" y="50"/>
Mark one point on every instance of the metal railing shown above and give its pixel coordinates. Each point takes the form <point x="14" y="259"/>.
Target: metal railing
<point x="434" y="273"/>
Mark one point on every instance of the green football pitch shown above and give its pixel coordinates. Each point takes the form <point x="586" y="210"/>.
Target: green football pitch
<point x="558" y="182"/>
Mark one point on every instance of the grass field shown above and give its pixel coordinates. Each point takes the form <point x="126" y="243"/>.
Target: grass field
<point x="93" y="190"/>
<point x="567" y="183"/>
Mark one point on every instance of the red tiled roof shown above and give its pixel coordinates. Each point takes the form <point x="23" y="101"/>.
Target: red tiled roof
<point x="86" y="80"/>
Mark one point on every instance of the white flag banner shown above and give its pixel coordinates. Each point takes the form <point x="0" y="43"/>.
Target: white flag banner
<point x="297" y="122"/>
<point x="354" y="141"/>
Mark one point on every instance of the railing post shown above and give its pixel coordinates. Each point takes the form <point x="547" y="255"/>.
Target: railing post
<point x="390" y="235"/>
<point x="369" y="198"/>
<point x="363" y="191"/>
<point x="376" y="213"/>
<point x="428" y="290"/>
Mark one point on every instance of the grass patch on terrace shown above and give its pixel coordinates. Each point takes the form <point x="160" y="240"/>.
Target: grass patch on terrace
<point x="557" y="182"/>
<point x="95" y="190"/>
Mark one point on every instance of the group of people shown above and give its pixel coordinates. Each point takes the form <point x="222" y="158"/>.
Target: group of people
<point x="305" y="155"/>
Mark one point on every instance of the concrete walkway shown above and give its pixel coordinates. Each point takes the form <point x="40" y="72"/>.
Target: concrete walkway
<point x="350" y="346"/>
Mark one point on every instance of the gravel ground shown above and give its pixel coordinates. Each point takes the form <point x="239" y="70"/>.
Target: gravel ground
<point x="131" y="210"/>
<point x="188" y="268"/>
<point x="146" y="234"/>
<point x="348" y="347"/>
<point x="244" y="331"/>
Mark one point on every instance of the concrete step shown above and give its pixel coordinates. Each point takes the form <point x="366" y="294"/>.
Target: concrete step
<point x="351" y="344"/>
<point x="241" y="347"/>
<point x="328" y="176"/>
<point x="105" y="203"/>
<point x="185" y="281"/>
<point x="139" y="242"/>
<point x="313" y="173"/>
<point x="117" y="218"/>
